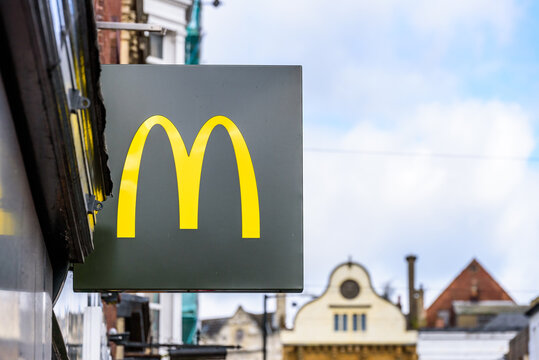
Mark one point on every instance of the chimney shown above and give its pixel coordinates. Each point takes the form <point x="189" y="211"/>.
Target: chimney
<point x="412" y="314"/>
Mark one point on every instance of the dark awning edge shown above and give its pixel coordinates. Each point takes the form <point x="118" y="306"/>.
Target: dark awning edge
<point x="38" y="86"/>
<point x="96" y="98"/>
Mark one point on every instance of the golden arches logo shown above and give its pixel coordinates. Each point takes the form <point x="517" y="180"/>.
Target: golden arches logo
<point x="188" y="173"/>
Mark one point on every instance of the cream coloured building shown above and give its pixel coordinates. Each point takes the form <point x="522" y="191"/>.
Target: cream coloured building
<point x="244" y="330"/>
<point x="349" y="321"/>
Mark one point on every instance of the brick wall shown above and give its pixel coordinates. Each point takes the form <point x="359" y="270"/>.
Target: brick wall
<point x="110" y="314"/>
<point x="474" y="283"/>
<point x="109" y="40"/>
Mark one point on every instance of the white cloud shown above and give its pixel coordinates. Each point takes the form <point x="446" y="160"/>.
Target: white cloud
<point x="386" y="92"/>
<point x="382" y="207"/>
<point x="444" y="17"/>
<point x="517" y="234"/>
<point x="247" y="30"/>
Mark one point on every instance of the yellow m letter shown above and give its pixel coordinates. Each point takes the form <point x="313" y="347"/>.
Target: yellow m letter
<point x="188" y="172"/>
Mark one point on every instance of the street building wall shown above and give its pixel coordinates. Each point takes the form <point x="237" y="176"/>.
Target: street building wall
<point x="243" y="329"/>
<point x="109" y="41"/>
<point x="349" y="320"/>
<point x="26" y="281"/>
<point x="53" y="171"/>
<point x="533" y="315"/>
<point x="518" y="346"/>
<point x="473" y="284"/>
<point x="473" y="318"/>
<point x="168" y="48"/>
<point x="463" y="345"/>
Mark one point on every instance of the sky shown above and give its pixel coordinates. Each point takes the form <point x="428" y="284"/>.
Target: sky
<point x="421" y="131"/>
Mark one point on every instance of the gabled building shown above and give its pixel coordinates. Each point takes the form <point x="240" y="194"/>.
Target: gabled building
<point x="473" y="318"/>
<point x="471" y="300"/>
<point x="245" y="331"/>
<point x="349" y="321"/>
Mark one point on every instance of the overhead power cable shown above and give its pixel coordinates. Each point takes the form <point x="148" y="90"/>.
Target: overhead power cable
<point x="426" y="288"/>
<point x="419" y="154"/>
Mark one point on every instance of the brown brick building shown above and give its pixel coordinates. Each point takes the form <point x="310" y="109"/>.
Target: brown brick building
<point x="473" y="290"/>
<point x="109" y="41"/>
<point x="121" y="46"/>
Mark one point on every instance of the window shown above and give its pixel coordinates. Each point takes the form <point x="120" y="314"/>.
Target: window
<point x="349" y="289"/>
<point x="155" y="313"/>
<point x="355" y="326"/>
<point x="340" y="322"/>
<point x="443" y="318"/>
<point x="156" y="45"/>
<point x="154" y="320"/>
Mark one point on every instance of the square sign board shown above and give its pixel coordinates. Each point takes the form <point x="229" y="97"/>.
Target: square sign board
<point x="206" y="163"/>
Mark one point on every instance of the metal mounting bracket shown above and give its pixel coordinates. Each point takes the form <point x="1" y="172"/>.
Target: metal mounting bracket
<point x="92" y="204"/>
<point x="77" y="101"/>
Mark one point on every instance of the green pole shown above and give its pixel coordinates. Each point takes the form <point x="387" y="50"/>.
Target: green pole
<point x="193" y="38"/>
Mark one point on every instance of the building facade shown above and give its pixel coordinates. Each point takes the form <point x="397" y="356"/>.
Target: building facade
<point x="464" y="345"/>
<point x="139" y="47"/>
<point x="518" y="346"/>
<point x="168" y="48"/>
<point x="349" y="321"/>
<point x="53" y="171"/>
<point x="473" y="318"/>
<point x="457" y="305"/>
<point x="244" y="330"/>
<point x="533" y="331"/>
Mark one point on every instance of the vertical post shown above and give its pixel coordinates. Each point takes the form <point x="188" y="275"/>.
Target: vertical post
<point x="193" y="35"/>
<point x="265" y="329"/>
<point x="412" y="314"/>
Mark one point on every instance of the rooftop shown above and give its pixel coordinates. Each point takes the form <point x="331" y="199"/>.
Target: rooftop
<point x="210" y="327"/>
<point x="462" y="307"/>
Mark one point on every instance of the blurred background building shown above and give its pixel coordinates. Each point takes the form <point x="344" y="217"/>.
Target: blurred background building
<point x="473" y="318"/>
<point x="245" y="332"/>
<point x="529" y="336"/>
<point x="349" y="320"/>
<point x="143" y="47"/>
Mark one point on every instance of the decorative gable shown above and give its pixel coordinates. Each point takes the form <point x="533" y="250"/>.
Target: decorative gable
<point x="349" y="312"/>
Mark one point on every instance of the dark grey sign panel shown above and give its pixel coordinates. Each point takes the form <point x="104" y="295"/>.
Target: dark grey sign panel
<point x="207" y="169"/>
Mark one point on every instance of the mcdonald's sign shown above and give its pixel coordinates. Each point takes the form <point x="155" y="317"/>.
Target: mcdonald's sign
<point x="188" y="170"/>
<point x="207" y="170"/>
